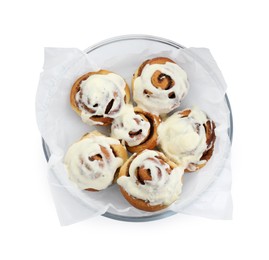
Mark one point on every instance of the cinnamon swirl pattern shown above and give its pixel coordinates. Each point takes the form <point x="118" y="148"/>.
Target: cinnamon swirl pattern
<point x="159" y="85"/>
<point x="137" y="129"/>
<point x="149" y="181"/>
<point x="187" y="138"/>
<point x="99" y="97"/>
<point x="93" y="162"/>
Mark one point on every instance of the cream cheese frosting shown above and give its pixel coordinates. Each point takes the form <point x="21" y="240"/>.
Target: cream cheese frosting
<point x="101" y="95"/>
<point x="157" y="100"/>
<point x="165" y="185"/>
<point x="91" y="163"/>
<point x="183" y="139"/>
<point x="127" y="123"/>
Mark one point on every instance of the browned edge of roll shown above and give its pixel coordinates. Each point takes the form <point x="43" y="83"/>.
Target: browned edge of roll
<point x="151" y="140"/>
<point x="76" y="87"/>
<point x="157" y="60"/>
<point x="117" y="149"/>
<point x="210" y="141"/>
<point x="139" y="203"/>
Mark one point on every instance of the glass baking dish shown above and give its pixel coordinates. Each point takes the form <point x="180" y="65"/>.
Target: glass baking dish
<point x="124" y="44"/>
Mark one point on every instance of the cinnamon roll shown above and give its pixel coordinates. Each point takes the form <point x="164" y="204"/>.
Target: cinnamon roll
<point x="93" y="162"/>
<point x="159" y="85"/>
<point x="149" y="181"/>
<point x="99" y="97"/>
<point x="137" y="129"/>
<point x="187" y="138"/>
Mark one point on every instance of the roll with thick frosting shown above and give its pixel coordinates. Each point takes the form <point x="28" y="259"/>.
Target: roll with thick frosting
<point x="159" y="85"/>
<point x="93" y="162"/>
<point x="99" y="97"/>
<point x="149" y="181"/>
<point x="187" y="138"/>
<point x="137" y="129"/>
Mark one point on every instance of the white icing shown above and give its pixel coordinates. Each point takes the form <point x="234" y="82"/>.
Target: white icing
<point x="159" y="102"/>
<point x="128" y="122"/>
<point x="163" y="189"/>
<point x="96" y="92"/>
<point x="183" y="139"/>
<point x="86" y="173"/>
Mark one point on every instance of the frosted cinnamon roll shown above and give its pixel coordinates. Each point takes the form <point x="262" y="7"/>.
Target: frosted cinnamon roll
<point x="93" y="162"/>
<point x="159" y="85"/>
<point x="187" y="138"/>
<point x="137" y="129"/>
<point x="99" y="97"/>
<point x="149" y="181"/>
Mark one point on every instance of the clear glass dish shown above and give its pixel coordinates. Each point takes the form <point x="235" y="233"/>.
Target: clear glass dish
<point x="124" y="44"/>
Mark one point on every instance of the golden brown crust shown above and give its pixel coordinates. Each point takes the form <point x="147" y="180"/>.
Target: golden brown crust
<point x="157" y="60"/>
<point x="151" y="140"/>
<point x="160" y="60"/>
<point x="139" y="203"/>
<point x="76" y="87"/>
<point x="210" y="141"/>
<point x="117" y="149"/>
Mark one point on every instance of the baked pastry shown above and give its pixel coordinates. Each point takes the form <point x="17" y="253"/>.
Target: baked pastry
<point x="149" y="181"/>
<point x="187" y="138"/>
<point x="93" y="162"/>
<point x="99" y="97"/>
<point x="159" y="85"/>
<point x="137" y="129"/>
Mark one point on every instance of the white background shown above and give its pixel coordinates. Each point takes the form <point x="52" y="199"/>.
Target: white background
<point x="234" y="31"/>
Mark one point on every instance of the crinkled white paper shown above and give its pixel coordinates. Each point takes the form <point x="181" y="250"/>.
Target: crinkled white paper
<point x="205" y="193"/>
